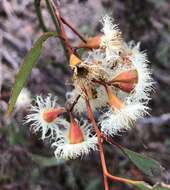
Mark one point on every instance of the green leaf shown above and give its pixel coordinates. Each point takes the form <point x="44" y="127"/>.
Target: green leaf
<point x="148" y="166"/>
<point x="26" y="68"/>
<point x="141" y="185"/>
<point x="46" y="161"/>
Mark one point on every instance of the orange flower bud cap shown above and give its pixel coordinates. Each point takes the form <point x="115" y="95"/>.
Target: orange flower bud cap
<point x="45" y="117"/>
<point x="125" y="81"/>
<point x="114" y="101"/>
<point x="127" y="77"/>
<point x="92" y="43"/>
<point x="51" y="114"/>
<point x="75" y="133"/>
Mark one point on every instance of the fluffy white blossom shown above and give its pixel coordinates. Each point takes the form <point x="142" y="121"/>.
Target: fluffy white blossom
<point x="97" y="102"/>
<point x="47" y="127"/>
<point x="145" y="82"/>
<point x="64" y="149"/>
<point x="134" y="102"/>
<point x="111" y="40"/>
<point x="113" y="122"/>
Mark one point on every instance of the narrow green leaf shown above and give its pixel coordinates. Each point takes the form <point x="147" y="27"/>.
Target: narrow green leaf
<point x="45" y="161"/>
<point x="141" y="185"/>
<point x="26" y="68"/>
<point x="148" y="166"/>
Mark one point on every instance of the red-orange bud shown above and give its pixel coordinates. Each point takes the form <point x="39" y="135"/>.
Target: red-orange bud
<point x="126" y="87"/>
<point x="75" y="132"/>
<point x="114" y="101"/>
<point x="50" y="115"/>
<point x="127" y="76"/>
<point x="125" y="81"/>
<point x="92" y="43"/>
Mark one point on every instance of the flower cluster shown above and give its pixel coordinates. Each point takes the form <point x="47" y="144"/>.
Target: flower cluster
<point x="71" y="139"/>
<point x="114" y="77"/>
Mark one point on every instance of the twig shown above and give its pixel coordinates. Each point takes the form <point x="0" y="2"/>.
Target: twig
<point x="56" y="15"/>
<point x="73" y="104"/>
<point x="101" y="137"/>
<point x="73" y="29"/>
<point x="39" y="15"/>
<point x="101" y="151"/>
<point x="50" y="10"/>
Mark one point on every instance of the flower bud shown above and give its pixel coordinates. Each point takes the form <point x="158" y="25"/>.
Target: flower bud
<point x="114" y="102"/>
<point x="127" y="76"/>
<point x="92" y="43"/>
<point x="126" y="87"/>
<point x="75" y="133"/>
<point x="51" y="114"/>
<point x="125" y="81"/>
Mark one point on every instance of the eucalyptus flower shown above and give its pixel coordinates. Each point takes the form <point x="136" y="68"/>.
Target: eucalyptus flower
<point x="75" y="141"/>
<point x="45" y="117"/>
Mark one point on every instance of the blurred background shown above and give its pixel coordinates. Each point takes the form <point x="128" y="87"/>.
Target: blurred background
<point x="28" y="164"/>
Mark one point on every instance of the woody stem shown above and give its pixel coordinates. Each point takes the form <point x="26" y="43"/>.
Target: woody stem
<point x="39" y="15"/>
<point x="114" y="178"/>
<point x="70" y="109"/>
<point x="101" y="138"/>
<point x="61" y="28"/>
<point x="73" y="29"/>
<point x="100" y="144"/>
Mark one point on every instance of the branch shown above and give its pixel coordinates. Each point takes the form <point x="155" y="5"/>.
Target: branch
<point x="39" y="15"/>
<point x="101" y="150"/>
<point x="73" y="29"/>
<point x="51" y="12"/>
<point x="70" y="109"/>
<point x="56" y="15"/>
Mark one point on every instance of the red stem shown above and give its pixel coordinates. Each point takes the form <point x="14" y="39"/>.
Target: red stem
<point x="62" y="31"/>
<point x="102" y="137"/>
<point x="73" y="29"/>
<point x="101" y="151"/>
<point x="70" y="109"/>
